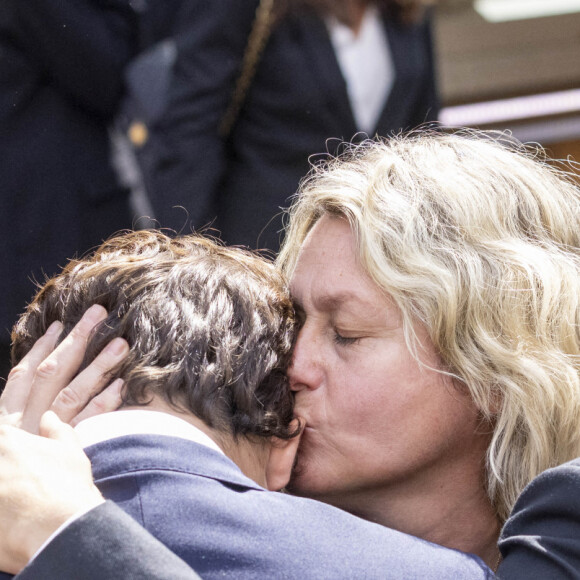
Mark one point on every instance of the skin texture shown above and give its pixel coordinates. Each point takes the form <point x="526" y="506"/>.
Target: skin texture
<point x="386" y="437"/>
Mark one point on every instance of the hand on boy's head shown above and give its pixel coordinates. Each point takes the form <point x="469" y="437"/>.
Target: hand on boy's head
<point x="43" y="482"/>
<point x="35" y="497"/>
<point x="43" y="379"/>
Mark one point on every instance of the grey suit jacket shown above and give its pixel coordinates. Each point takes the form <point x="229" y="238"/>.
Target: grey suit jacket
<point x="106" y="544"/>
<point x="199" y="504"/>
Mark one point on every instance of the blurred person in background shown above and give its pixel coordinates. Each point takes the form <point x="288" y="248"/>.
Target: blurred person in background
<point x="61" y="78"/>
<point x="330" y="70"/>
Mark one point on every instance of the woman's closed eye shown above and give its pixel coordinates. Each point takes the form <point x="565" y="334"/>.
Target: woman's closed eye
<point x="345" y="340"/>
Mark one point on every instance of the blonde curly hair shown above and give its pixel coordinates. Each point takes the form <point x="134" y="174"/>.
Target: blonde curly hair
<point x="478" y="239"/>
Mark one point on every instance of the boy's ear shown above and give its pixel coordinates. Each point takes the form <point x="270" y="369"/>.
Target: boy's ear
<point x="281" y="459"/>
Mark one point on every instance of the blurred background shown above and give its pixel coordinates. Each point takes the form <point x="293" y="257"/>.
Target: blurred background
<point x="512" y="64"/>
<point x="66" y="70"/>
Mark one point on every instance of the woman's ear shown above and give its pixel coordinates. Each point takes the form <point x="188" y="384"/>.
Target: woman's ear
<point x="281" y="459"/>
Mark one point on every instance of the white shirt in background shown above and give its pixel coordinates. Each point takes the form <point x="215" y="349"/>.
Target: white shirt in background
<point x="367" y="66"/>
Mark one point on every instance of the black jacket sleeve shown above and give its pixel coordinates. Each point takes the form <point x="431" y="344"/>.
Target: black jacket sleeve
<point x="541" y="538"/>
<point x="106" y="544"/>
<point x="427" y="107"/>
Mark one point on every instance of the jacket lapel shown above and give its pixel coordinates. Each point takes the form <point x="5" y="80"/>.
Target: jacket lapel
<point x="326" y="75"/>
<point x="406" y="62"/>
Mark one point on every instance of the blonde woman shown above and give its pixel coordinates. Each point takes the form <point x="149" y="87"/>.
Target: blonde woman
<point x="437" y="277"/>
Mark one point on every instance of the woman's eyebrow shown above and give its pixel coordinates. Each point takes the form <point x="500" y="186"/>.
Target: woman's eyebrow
<point x="333" y="301"/>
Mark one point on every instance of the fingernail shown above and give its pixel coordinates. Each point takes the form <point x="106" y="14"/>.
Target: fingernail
<point x="117" y="385"/>
<point x="117" y="346"/>
<point x="95" y="313"/>
<point x="54" y="329"/>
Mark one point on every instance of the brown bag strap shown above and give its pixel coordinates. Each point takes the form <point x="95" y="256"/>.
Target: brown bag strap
<point x="257" y="40"/>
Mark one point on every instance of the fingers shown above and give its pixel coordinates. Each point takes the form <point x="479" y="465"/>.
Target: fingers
<point x="20" y="379"/>
<point x="53" y="428"/>
<point x="73" y="399"/>
<point x="109" y="400"/>
<point x="11" y="420"/>
<point x="57" y="370"/>
<point x="43" y="482"/>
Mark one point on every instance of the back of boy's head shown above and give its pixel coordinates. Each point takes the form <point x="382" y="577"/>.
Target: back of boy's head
<point x="210" y="328"/>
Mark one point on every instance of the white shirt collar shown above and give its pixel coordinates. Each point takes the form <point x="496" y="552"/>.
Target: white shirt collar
<point x="367" y="65"/>
<point x="139" y="422"/>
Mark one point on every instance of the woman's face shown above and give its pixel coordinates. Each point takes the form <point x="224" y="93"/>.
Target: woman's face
<point x="376" y="419"/>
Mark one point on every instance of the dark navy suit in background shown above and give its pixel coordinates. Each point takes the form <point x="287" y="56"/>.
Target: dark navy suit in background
<point x="61" y="77"/>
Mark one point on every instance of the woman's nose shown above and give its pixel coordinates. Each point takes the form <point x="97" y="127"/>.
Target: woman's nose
<point x="305" y="371"/>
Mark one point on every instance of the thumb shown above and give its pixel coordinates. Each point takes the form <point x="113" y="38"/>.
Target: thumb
<point x="53" y="428"/>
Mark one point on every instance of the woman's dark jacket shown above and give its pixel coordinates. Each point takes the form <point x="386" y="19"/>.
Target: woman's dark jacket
<point x="297" y="107"/>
